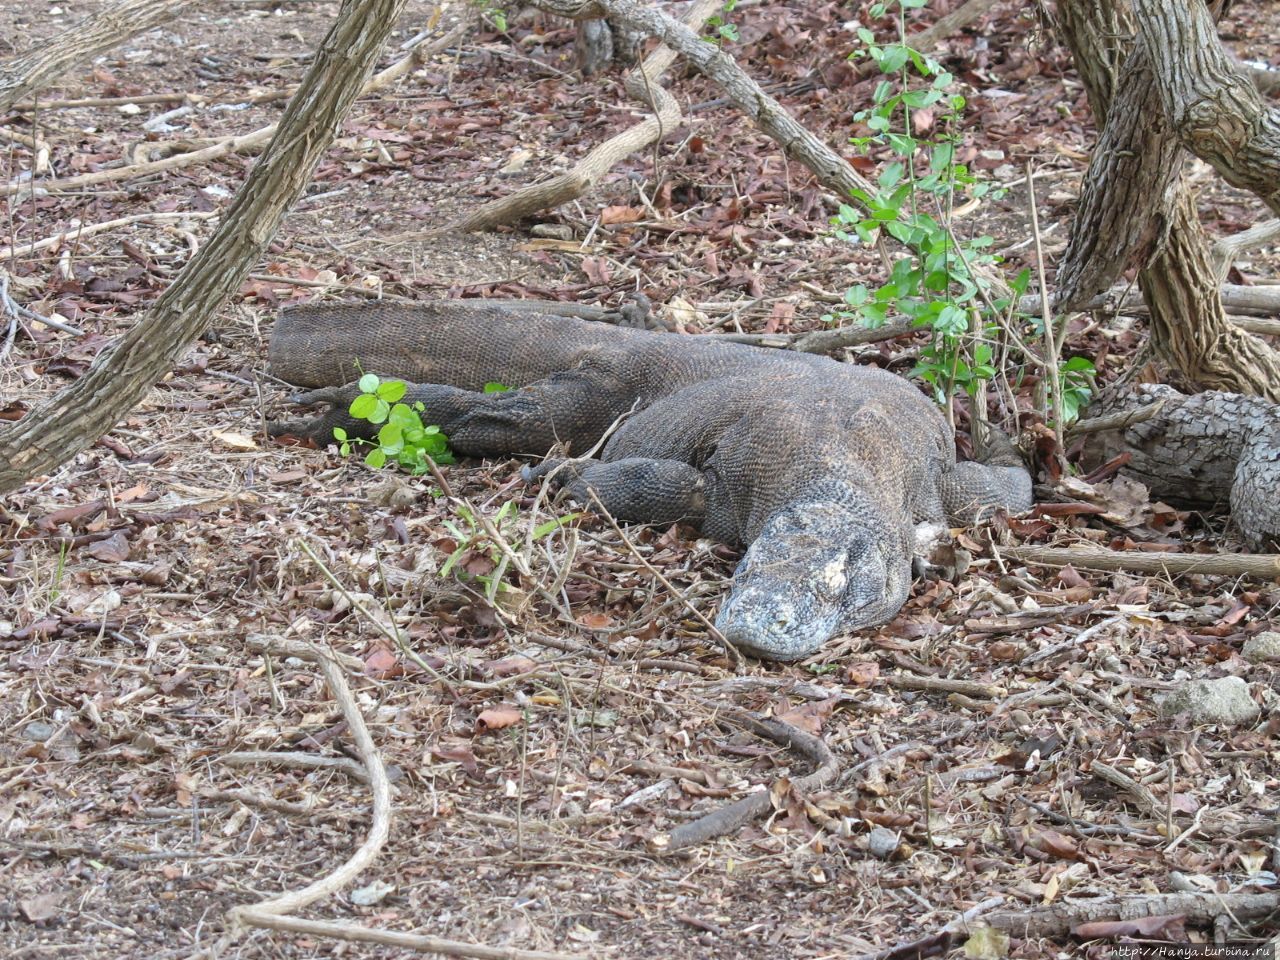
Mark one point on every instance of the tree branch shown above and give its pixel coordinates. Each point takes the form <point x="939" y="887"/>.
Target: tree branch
<point x="1216" y="111"/>
<point x="62" y="426"/>
<point x="113" y="25"/>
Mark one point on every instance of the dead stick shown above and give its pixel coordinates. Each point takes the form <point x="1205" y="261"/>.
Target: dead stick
<point x="1263" y="566"/>
<point x="112" y="25"/>
<point x="305" y="761"/>
<point x="832" y="170"/>
<point x="733" y="816"/>
<point x="1140" y="793"/>
<point x="642" y="83"/>
<point x="75" y="233"/>
<point x="409" y="941"/>
<point x="970" y="688"/>
<point x="827" y="341"/>
<point x="1059" y="919"/>
<point x="379" y="828"/>
<point x="1120" y="420"/>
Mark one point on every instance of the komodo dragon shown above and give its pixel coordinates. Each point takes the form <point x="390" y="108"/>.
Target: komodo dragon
<point x="820" y="468"/>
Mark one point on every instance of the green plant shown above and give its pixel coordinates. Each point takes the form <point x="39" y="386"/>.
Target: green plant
<point x="723" y="30"/>
<point x="1077" y="387"/>
<point x="59" y="571"/>
<point x="403" y="438"/>
<point x="494" y="13"/>
<point x="942" y="282"/>
<point x="939" y="282"/>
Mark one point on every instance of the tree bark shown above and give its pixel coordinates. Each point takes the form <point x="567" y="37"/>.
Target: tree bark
<point x="1135" y="166"/>
<point x="1189" y="326"/>
<point x="60" y="427"/>
<point x="1216" y="111"/>
<point x="40" y="66"/>
<point x="1154" y="216"/>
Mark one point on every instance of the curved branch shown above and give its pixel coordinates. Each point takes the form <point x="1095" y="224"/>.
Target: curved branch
<point x="832" y="170"/>
<point x="733" y="816"/>
<point x="1216" y="111"/>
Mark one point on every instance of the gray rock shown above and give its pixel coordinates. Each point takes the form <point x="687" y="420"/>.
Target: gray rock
<point x="1225" y="700"/>
<point x="882" y="843"/>
<point x="1263" y="647"/>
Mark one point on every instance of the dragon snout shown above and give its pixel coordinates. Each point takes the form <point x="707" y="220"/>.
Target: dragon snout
<point x="767" y="628"/>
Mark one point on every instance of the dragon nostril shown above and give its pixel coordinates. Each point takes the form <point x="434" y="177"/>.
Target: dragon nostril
<point x="781" y="623"/>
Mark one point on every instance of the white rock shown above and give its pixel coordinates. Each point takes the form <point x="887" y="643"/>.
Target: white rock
<point x="1225" y="700"/>
<point x="882" y="842"/>
<point x="1265" y="646"/>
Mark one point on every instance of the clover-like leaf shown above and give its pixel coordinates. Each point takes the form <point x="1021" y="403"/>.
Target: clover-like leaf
<point x="364" y="406"/>
<point x="392" y="390"/>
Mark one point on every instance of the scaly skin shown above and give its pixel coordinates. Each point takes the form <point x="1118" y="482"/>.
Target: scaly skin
<point x="821" y="469"/>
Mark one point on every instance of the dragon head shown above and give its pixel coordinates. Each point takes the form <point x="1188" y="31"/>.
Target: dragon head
<point x="815" y="568"/>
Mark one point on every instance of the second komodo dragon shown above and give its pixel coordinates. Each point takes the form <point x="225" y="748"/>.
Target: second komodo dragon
<point x="822" y="469"/>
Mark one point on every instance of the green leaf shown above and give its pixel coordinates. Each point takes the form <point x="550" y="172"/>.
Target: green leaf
<point x="339" y="433"/>
<point x="452" y="561"/>
<point x="891" y="174"/>
<point x="381" y="409"/>
<point x="496" y="387"/>
<point x="951" y="320"/>
<point x="392" y="390"/>
<point x="894" y="59"/>
<point x="903" y="146"/>
<point x="405" y="416"/>
<point x="542" y="529"/>
<point x="391" y="439"/>
<point x="368" y="383"/>
<point x="363" y="406"/>
<point x="375" y="458"/>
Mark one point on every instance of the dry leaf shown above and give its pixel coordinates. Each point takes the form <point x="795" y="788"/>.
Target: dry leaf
<point x="1056" y="844"/>
<point x="862" y="672"/>
<point x="382" y="664"/>
<point x="111" y="550"/>
<point x="1169" y="927"/>
<point x="620" y="215"/>
<point x="986" y="943"/>
<point x="42" y="907"/>
<point x="236" y="441"/>
<point x="495" y="718"/>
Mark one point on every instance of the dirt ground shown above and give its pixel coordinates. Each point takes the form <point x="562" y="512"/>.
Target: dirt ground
<point x="538" y="750"/>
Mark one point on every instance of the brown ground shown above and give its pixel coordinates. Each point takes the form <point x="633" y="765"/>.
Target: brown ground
<point x="134" y="577"/>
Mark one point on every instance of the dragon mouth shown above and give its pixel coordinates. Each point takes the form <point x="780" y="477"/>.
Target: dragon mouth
<point x="770" y="630"/>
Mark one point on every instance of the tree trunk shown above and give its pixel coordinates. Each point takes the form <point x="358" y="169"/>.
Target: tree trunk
<point x="40" y="66"/>
<point x="60" y="427"/>
<point x="1189" y="327"/>
<point x="1215" y="111"/>
<point x="1153" y="218"/>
